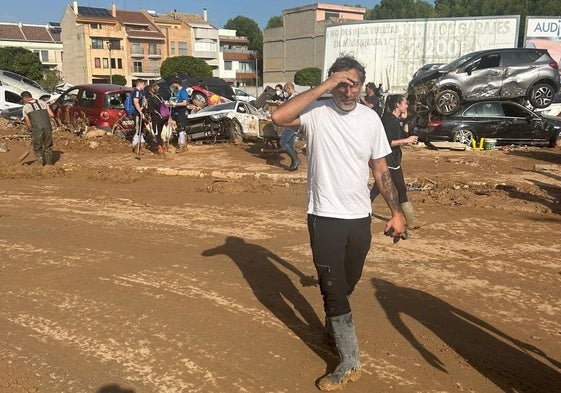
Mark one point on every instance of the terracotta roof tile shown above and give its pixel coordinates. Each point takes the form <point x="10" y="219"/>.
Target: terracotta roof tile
<point x="11" y="32"/>
<point x="36" y="33"/>
<point x="189" y="18"/>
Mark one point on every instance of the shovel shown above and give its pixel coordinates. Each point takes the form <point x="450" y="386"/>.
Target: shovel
<point x="25" y="154"/>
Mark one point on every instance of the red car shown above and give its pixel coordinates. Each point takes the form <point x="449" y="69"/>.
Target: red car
<point x="100" y="105"/>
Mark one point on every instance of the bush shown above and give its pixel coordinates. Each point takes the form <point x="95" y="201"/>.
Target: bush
<point x="308" y="77"/>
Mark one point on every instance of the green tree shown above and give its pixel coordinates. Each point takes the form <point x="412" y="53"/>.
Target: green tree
<point x="119" y="80"/>
<point x="275" y="21"/>
<point x="185" y="64"/>
<point x="308" y="77"/>
<point x="51" y="78"/>
<point x="390" y="9"/>
<point x="21" y="61"/>
<point x="246" y="27"/>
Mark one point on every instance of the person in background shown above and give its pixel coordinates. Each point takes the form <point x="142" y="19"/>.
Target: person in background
<point x="37" y="115"/>
<point x="344" y="139"/>
<point x="138" y="116"/>
<point x="288" y="137"/>
<point x="370" y="99"/>
<point x="155" y="102"/>
<point x="279" y="93"/>
<point x="393" y="120"/>
<point x="179" y="103"/>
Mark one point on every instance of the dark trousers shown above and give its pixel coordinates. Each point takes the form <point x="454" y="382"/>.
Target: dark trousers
<point x="137" y="123"/>
<point x="157" y="127"/>
<point x="339" y="248"/>
<point x="399" y="182"/>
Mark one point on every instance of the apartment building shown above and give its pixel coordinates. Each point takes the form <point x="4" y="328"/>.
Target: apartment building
<point x="100" y="43"/>
<point x="43" y="40"/>
<point x="144" y="44"/>
<point x="237" y="62"/>
<point x="300" y="42"/>
<point x="204" y="39"/>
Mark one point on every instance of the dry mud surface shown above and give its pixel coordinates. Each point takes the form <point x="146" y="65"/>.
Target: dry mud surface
<point x="192" y="273"/>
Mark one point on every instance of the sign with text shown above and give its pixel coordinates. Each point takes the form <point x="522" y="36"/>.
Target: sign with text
<point x="393" y="50"/>
<point x="544" y="33"/>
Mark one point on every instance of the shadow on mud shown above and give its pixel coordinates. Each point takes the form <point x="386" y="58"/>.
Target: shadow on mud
<point x="276" y="291"/>
<point x="512" y="365"/>
<point x="113" y="388"/>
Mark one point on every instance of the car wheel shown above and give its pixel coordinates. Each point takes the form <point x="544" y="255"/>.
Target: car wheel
<point x="235" y="132"/>
<point x="199" y="98"/>
<point x="541" y="95"/>
<point x="447" y="102"/>
<point x="463" y="136"/>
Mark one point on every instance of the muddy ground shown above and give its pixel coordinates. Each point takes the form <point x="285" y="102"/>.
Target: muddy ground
<point x="192" y="272"/>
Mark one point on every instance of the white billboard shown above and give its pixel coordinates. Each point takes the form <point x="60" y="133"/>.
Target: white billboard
<point x="544" y="32"/>
<point x="392" y="50"/>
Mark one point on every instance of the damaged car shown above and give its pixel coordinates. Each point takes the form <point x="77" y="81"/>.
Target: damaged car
<point x="511" y="74"/>
<point x="505" y="121"/>
<point x="233" y="121"/>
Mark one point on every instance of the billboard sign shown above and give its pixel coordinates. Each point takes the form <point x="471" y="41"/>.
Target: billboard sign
<point x="544" y="32"/>
<point x="392" y="50"/>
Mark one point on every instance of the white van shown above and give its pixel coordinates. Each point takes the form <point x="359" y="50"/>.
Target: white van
<point x="10" y="102"/>
<point x="20" y="83"/>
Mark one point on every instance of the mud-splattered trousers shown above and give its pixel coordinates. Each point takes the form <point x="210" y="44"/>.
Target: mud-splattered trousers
<point x="339" y="248"/>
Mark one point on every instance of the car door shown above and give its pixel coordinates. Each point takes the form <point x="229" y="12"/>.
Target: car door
<point x="484" y="118"/>
<point x="248" y="119"/>
<point x="521" y="125"/>
<point x="483" y="77"/>
<point x="86" y="108"/>
<point x="520" y="72"/>
<point x="64" y="106"/>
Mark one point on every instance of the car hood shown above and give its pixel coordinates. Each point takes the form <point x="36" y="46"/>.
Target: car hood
<point x="426" y="77"/>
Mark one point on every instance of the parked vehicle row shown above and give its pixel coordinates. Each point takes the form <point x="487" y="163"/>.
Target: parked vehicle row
<point x="102" y="105"/>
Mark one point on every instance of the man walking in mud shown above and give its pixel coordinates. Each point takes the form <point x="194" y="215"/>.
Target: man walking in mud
<point x="343" y="140"/>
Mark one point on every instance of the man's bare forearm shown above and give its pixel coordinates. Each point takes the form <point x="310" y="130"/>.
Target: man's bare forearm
<point x="388" y="191"/>
<point x="385" y="184"/>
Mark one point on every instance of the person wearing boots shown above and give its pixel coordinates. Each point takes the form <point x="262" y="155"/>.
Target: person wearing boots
<point x="288" y="137"/>
<point x="37" y="115"/>
<point x="344" y="141"/>
<point x="396" y="110"/>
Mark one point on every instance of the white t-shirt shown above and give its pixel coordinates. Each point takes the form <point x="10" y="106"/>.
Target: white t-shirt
<point x="340" y="145"/>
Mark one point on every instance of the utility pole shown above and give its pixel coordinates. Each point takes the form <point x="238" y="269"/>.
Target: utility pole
<point x="109" y="46"/>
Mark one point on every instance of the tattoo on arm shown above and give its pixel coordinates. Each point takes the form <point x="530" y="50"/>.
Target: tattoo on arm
<point x="389" y="192"/>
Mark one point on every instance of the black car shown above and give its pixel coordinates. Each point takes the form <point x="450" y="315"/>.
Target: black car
<point x="505" y="121"/>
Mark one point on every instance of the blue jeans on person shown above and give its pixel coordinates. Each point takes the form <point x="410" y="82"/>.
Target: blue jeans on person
<point x="287" y="139"/>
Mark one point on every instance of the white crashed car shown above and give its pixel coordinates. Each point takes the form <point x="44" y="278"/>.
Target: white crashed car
<point x="241" y="95"/>
<point x="234" y="121"/>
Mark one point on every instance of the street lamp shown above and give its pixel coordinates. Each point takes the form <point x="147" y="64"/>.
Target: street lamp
<point x="256" y="76"/>
<point x="110" y="61"/>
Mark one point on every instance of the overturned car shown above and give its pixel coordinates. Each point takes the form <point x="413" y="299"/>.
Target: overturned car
<point x="516" y="73"/>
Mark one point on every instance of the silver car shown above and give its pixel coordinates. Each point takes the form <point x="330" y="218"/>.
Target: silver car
<point x="517" y="73"/>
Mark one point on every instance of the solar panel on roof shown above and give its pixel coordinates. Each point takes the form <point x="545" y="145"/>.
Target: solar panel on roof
<point x="92" y="11"/>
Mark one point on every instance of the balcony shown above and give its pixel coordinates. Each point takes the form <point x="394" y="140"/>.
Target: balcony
<point x="137" y="53"/>
<point x="155" y="54"/>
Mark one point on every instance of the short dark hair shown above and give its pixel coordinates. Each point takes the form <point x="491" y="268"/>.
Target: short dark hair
<point x="26" y="94"/>
<point x="176" y="80"/>
<point x="138" y="81"/>
<point x="371" y="86"/>
<point x="345" y="63"/>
